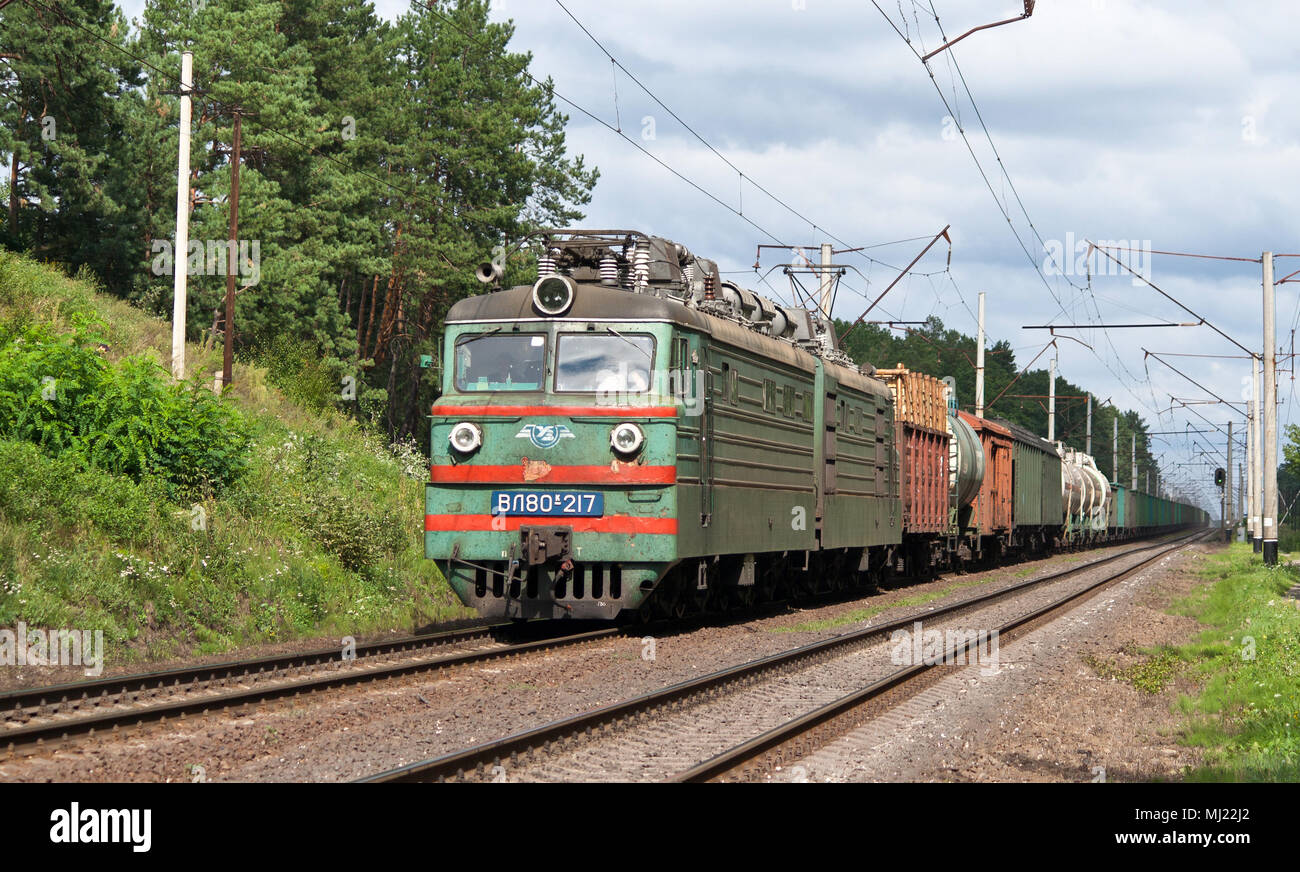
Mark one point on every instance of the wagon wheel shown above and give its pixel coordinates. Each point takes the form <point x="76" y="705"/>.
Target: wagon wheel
<point x="884" y="574"/>
<point x="765" y="586"/>
<point x="806" y="583"/>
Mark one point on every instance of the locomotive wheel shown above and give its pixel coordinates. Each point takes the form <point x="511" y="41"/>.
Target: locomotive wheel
<point x="666" y="597"/>
<point x="646" y="612"/>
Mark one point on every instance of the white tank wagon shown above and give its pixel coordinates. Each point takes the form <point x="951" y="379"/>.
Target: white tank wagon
<point x="1086" y="494"/>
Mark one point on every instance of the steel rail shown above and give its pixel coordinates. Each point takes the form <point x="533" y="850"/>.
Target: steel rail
<point x="37" y="697"/>
<point x="56" y="728"/>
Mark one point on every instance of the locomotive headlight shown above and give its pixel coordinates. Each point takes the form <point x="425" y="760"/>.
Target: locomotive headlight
<point x="627" y="439"/>
<point x="553" y="295"/>
<point x="466" y="437"/>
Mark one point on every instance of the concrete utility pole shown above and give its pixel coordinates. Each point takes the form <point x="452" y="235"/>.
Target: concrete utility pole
<point x="1252" y="417"/>
<point x="1088" y="449"/>
<point x="180" y="251"/>
<point x="979" y="363"/>
<point x="1227" y="491"/>
<point x="1269" y="431"/>
<point x="1114" y="449"/>
<point x="1133" y="464"/>
<point x="827" y="282"/>
<point x="1051" y="401"/>
<point x="1257" y="465"/>
<point x="232" y="258"/>
<point x="1241" y="490"/>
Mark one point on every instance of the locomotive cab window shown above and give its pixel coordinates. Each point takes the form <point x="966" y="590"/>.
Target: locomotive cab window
<point x="612" y="363"/>
<point x="500" y="362"/>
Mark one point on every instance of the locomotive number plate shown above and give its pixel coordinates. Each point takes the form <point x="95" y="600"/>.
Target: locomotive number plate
<point x="574" y="504"/>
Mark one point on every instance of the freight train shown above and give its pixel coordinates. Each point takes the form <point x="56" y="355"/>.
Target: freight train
<point x="633" y="435"/>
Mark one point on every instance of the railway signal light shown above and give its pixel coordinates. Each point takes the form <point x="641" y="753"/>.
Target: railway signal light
<point x="1219" y="477"/>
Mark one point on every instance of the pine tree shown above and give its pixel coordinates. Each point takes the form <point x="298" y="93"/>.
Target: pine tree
<point x="480" y="148"/>
<point x="67" y="95"/>
<point x="244" y="62"/>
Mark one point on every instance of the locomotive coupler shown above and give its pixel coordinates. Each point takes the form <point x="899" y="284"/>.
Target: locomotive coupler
<point x="544" y="544"/>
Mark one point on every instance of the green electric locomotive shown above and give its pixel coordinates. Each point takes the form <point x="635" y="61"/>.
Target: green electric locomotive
<point x="633" y="434"/>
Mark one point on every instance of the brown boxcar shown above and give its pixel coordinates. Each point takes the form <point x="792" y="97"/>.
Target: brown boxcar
<point x="995" y="505"/>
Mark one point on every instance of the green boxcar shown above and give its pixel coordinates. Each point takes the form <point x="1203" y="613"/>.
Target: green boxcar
<point x="1029" y="477"/>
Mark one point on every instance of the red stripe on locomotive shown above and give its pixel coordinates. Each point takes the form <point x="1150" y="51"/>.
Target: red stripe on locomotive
<point x="608" y="524"/>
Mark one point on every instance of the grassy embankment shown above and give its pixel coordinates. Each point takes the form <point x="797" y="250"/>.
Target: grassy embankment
<point x="310" y="526"/>
<point x="1244" y="664"/>
<point x="1247" y="713"/>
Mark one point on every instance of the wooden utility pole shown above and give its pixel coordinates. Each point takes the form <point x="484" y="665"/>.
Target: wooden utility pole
<point x="232" y="257"/>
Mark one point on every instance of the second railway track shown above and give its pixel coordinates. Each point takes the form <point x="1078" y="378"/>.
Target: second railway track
<point x="33" y="718"/>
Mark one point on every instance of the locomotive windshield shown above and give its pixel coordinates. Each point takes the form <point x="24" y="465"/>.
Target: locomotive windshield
<point x="500" y="362"/>
<point x="612" y="363"/>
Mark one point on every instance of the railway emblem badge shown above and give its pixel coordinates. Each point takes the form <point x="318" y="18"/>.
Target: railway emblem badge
<point x="545" y="435"/>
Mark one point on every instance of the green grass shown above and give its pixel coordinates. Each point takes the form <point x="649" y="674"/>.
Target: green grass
<point x="866" y="614"/>
<point x="1247" y="662"/>
<point x="1151" y="674"/>
<point x="320" y="535"/>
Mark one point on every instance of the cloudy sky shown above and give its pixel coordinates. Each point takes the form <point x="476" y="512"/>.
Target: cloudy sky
<point x="1164" y="124"/>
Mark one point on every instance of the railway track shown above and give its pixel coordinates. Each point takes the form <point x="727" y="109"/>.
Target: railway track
<point x="35" y="717"/>
<point x="522" y="750"/>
